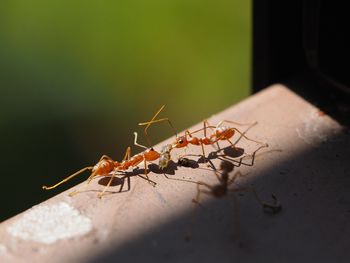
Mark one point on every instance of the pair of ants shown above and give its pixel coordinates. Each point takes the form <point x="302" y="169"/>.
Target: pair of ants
<point x="106" y="166"/>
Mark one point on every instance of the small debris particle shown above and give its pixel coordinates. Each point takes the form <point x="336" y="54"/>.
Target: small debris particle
<point x="50" y="223"/>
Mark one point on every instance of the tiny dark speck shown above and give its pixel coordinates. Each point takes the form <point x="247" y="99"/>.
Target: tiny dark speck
<point x="295" y="194"/>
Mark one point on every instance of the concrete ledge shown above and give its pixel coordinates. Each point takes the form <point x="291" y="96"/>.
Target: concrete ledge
<point x="306" y="167"/>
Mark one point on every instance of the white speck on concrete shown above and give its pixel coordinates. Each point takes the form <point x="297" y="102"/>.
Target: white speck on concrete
<point x="3" y="249"/>
<point x="317" y="128"/>
<point x="50" y="223"/>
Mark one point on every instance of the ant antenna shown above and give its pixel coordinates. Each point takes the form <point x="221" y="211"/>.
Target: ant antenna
<point x="137" y="144"/>
<point x="149" y="123"/>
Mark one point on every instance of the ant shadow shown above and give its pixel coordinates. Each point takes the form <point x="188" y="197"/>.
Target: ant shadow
<point x="235" y="155"/>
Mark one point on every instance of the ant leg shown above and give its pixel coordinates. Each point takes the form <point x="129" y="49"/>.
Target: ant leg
<point x="128" y="178"/>
<point x="106" y="187"/>
<point x="152" y="121"/>
<point x="149" y="181"/>
<point x="249" y="139"/>
<point x="207" y="125"/>
<point x="199" y="191"/>
<point x="234" y="177"/>
<point x="203" y="152"/>
<point x="68" y="178"/>
<point x="205" y="122"/>
<point x="181" y="180"/>
<point x="92" y="176"/>
<point x="236" y="123"/>
<point x="127" y="154"/>
<point x="252" y="156"/>
<point x="274" y="208"/>
<point x="201" y="129"/>
<point x="149" y="123"/>
<point x="105" y="157"/>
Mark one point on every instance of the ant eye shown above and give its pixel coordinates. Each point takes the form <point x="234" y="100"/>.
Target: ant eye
<point x="181" y="141"/>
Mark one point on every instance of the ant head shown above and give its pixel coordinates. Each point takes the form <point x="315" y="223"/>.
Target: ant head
<point x="181" y="142"/>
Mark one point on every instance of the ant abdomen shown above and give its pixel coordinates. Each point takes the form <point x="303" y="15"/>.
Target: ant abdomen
<point x="151" y="155"/>
<point x="224" y="133"/>
<point x="103" y="167"/>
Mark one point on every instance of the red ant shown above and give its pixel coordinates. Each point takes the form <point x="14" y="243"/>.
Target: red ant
<point x="219" y="133"/>
<point x="107" y="166"/>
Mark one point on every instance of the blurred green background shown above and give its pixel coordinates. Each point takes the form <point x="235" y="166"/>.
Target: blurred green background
<point x="77" y="76"/>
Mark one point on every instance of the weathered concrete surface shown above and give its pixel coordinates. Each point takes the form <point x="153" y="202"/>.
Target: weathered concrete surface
<point x="306" y="167"/>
